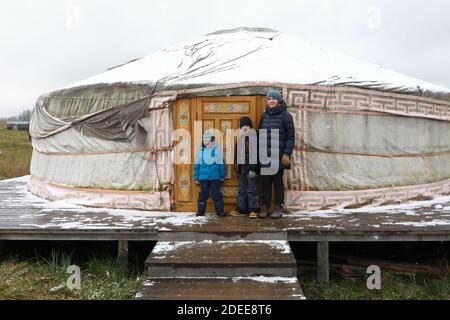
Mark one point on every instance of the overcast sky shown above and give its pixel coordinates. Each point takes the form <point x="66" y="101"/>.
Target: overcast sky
<point x="47" y="44"/>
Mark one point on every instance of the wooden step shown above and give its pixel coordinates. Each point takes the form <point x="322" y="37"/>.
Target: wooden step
<point x="258" y="288"/>
<point x="222" y="259"/>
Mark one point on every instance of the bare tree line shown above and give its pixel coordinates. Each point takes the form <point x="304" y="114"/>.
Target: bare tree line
<point x="24" y="115"/>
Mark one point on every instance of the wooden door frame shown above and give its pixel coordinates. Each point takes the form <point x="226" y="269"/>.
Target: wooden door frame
<point x="194" y="108"/>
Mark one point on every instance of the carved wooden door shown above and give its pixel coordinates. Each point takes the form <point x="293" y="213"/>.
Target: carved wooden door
<point x="221" y="113"/>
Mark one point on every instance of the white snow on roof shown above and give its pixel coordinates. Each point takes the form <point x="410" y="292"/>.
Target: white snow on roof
<point x="255" y="55"/>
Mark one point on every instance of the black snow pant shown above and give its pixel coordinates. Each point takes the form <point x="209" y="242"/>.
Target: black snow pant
<point x="277" y="181"/>
<point x="247" y="199"/>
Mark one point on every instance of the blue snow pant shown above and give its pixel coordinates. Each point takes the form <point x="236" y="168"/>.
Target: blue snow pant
<point x="208" y="187"/>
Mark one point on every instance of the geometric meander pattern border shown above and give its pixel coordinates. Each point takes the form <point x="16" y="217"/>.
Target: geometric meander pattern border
<point x="100" y="198"/>
<point x="320" y="199"/>
<point x="354" y="99"/>
<point x="303" y="99"/>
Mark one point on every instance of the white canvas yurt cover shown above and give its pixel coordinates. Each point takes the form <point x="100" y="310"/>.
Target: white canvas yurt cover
<point x="364" y="134"/>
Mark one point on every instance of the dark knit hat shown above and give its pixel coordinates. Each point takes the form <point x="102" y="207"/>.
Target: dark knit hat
<point x="245" y="121"/>
<point x="274" y="94"/>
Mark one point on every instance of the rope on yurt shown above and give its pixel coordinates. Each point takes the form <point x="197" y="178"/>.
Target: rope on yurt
<point x="134" y="150"/>
<point x="155" y="151"/>
<point x="412" y="155"/>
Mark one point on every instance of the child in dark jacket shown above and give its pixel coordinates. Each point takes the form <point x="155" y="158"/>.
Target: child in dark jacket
<point x="209" y="173"/>
<point x="246" y="169"/>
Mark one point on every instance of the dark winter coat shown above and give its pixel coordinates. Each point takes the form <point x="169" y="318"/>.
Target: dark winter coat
<point x="279" y="118"/>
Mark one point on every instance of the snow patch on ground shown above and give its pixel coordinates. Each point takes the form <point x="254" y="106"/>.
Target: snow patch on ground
<point x="18" y="179"/>
<point x="149" y="283"/>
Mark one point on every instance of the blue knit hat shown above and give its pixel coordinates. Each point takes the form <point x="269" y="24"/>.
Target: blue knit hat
<point x="207" y="135"/>
<point x="274" y="94"/>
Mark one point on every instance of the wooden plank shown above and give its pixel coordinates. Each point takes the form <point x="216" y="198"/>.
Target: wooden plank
<point x="77" y="235"/>
<point x="369" y="237"/>
<point x="397" y="267"/>
<point x="221" y="258"/>
<point x="323" y="267"/>
<point x="219" y="289"/>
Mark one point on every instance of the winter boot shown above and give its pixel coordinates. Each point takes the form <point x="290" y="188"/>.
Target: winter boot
<point x="222" y="214"/>
<point x="201" y="209"/>
<point x="263" y="213"/>
<point x="253" y="215"/>
<point x="236" y="213"/>
<point x="277" y="213"/>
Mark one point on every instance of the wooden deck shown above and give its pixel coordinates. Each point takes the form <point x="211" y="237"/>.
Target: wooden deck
<point x="25" y="217"/>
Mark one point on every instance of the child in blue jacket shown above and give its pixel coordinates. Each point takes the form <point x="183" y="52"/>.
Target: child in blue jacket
<point x="209" y="173"/>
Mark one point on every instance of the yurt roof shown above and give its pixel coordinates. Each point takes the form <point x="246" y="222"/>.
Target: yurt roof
<point x="255" y="55"/>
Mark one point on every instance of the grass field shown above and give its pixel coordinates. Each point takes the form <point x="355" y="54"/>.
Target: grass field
<point x="15" y="153"/>
<point x="393" y="287"/>
<point x="43" y="278"/>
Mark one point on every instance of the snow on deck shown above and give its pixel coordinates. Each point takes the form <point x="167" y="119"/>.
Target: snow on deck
<point x="164" y="247"/>
<point x="19" y="209"/>
<point x="16" y="196"/>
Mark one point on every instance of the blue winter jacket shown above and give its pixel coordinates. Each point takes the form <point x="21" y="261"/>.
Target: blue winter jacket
<point x="208" y="164"/>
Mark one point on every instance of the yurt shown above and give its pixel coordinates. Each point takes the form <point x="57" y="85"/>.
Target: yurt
<point x="365" y="135"/>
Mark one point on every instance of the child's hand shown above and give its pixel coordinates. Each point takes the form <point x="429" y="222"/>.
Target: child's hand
<point x="197" y="183"/>
<point x="252" y="174"/>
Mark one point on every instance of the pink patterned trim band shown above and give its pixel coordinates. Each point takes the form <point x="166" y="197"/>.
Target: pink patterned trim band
<point x="99" y="198"/>
<point x="315" y="200"/>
